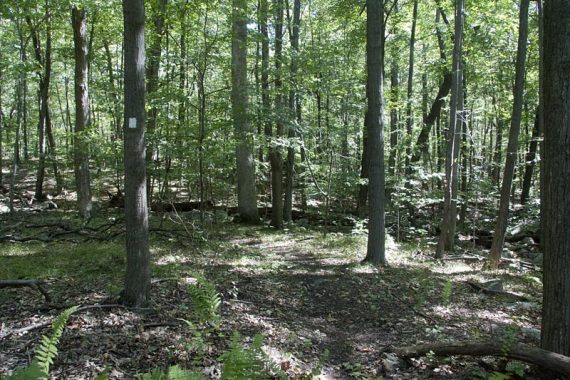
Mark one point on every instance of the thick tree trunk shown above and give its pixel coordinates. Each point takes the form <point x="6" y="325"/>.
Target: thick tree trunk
<point x="512" y="148"/>
<point x="247" y="202"/>
<point x="374" y="61"/>
<point x="449" y="220"/>
<point x="137" y="279"/>
<point x="295" y="107"/>
<point x="82" y="117"/>
<point x="556" y="306"/>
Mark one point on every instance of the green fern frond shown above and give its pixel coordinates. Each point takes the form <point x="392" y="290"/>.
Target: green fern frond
<point x="206" y="302"/>
<point x="47" y="350"/>
<point x="250" y="363"/>
<point x="173" y="373"/>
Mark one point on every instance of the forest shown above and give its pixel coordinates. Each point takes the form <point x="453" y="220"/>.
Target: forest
<point x="284" y="189"/>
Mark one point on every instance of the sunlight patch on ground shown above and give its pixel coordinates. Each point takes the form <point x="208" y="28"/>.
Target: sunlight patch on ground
<point x="20" y="249"/>
<point x="172" y="259"/>
<point x="452" y="268"/>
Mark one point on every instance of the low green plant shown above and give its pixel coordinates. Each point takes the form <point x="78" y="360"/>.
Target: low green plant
<point x="206" y="302"/>
<point x="446" y="292"/>
<point x="46" y="351"/>
<point x="172" y="373"/>
<point x="248" y="363"/>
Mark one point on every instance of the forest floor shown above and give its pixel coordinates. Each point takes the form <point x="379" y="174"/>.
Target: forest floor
<point x="321" y="313"/>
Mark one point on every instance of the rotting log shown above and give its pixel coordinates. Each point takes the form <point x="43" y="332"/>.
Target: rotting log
<point x="545" y="359"/>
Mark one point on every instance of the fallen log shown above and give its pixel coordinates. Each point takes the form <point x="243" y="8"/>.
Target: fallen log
<point x="545" y="359"/>
<point x="482" y="289"/>
<point x="37" y="284"/>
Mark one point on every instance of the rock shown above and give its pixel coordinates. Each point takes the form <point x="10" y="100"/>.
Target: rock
<point x="528" y="306"/>
<point x="391" y="362"/>
<point x="537" y="260"/>
<point x="4" y="209"/>
<point x="528" y="241"/>
<point x="49" y="205"/>
<point x="493" y="285"/>
<point x="531" y="333"/>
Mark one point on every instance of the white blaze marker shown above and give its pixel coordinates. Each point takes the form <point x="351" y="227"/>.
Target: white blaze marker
<point x="132" y="122"/>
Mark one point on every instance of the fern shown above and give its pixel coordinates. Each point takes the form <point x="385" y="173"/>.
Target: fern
<point x="173" y="373"/>
<point x="206" y="302"/>
<point x="250" y="363"/>
<point x="46" y="351"/>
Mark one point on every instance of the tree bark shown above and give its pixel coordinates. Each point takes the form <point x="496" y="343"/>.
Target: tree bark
<point x="295" y="107"/>
<point x="556" y="306"/>
<point x="409" y="110"/>
<point x="275" y="156"/>
<point x="137" y="279"/>
<point x="44" y="81"/>
<point x="247" y="202"/>
<point x="512" y="148"/>
<point x="543" y="358"/>
<point x="375" y="253"/>
<point x="394" y="90"/>
<point x="447" y="237"/>
<point x="82" y="116"/>
<point x="530" y="160"/>
<point x="152" y="84"/>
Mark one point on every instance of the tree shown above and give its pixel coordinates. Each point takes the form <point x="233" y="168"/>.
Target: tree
<point x="295" y="107"/>
<point x="137" y="280"/>
<point x="512" y="148"/>
<point x="247" y="202"/>
<point x="152" y="82"/>
<point x="409" y="111"/>
<point x="82" y="112"/>
<point x="555" y="334"/>
<point x="275" y="156"/>
<point x="449" y="221"/>
<point x="43" y="60"/>
<point x="374" y="61"/>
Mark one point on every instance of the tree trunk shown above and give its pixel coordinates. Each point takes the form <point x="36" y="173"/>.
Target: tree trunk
<point x="295" y="107"/>
<point x="82" y="117"/>
<point x="556" y="308"/>
<point x="275" y="156"/>
<point x="44" y="82"/>
<point x="151" y="88"/>
<point x="512" y="148"/>
<point x="247" y="202"/>
<point x="394" y="85"/>
<point x="374" y="61"/>
<point x="137" y="279"/>
<point x="530" y="160"/>
<point x="1" y="127"/>
<point x="364" y="172"/>
<point x="409" y="110"/>
<point x="449" y="220"/>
